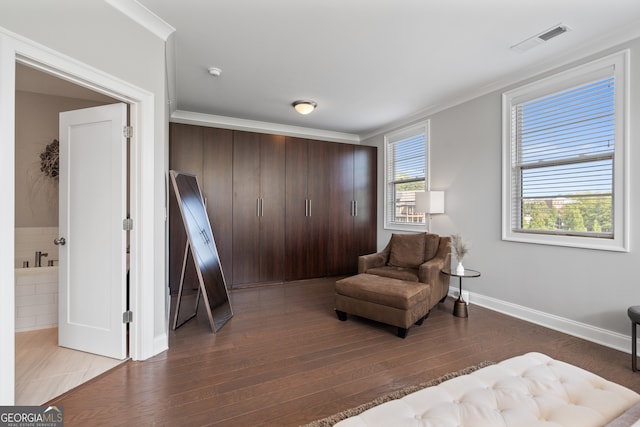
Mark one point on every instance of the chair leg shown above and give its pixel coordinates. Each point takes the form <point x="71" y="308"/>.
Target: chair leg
<point x="402" y="332"/>
<point x="634" y="339"/>
<point x="341" y="315"/>
<point x="420" y="320"/>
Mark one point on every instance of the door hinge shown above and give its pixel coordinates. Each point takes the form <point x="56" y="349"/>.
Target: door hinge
<point x="127" y="131"/>
<point x="127" y="316"/>
<point x="127" y="224"/>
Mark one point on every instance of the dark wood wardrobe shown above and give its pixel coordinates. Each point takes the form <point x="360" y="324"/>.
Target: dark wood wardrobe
<point x="281" y="208"/>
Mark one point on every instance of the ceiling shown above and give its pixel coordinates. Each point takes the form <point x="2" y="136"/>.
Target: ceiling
<point x="371" y="64"/>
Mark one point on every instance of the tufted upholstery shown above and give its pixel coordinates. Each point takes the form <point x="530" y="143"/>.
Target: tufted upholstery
<point x="530" y="390"/>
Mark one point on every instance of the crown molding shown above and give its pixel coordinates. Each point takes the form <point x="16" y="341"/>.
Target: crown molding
<point x="200" y="119"/>
<point x="143" y="16"/>
<point x="583" y="53"/>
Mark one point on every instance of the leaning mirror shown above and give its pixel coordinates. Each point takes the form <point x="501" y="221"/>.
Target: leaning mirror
<point x="204" y="253"/>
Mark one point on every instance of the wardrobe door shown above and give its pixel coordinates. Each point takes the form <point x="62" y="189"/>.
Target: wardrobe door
<point x="185" y="155"/>
<point x="272" y="207"/>
<point x="340" y="250"/>
<point x="319" y="218"/>
<point x="217" y="183"/>
<point x="246" y="208"/>
<point x="365" y="196"/>
<point x="306" y="216"/>
<point x="297" y="235"/>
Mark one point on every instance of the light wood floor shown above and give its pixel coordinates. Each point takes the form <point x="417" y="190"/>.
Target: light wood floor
<point x="44" y="370"/>
<point x="284" y="359"/>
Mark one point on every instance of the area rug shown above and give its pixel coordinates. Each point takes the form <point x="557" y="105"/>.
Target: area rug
<point x="333" y="419"/>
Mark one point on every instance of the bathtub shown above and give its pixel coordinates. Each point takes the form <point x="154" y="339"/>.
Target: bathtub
<point x="36" y="298"/>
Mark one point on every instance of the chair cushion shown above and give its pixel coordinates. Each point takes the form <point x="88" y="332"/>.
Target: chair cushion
<point x="431" y="244"/>
<point x="400" y="273"/>
<point x="384" y="291"/>
<point x="407" y="250"/>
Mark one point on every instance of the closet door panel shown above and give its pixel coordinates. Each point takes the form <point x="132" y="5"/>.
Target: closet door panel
<point x="297" y="236"/>
<point x="185" y="155"/>
<point x="217" y="183"/>
<point x="341" y="238"/>
<point x="246" y="193"/>
<point x="272" y="209"/>
<point x="319" y="218"/>
<point x="364" y="190"/>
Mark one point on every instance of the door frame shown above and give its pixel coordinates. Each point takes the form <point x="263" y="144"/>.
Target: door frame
<point x="143" y="295"/>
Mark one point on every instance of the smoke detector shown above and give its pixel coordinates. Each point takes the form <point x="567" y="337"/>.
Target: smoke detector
<point x="540" y="38"/>
<point x="215" y="71"/>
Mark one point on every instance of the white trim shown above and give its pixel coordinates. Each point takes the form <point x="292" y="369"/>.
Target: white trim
<point x="224" y="122"/>
<point x="619" y="63"/>
<point x="585" y="331"/>
<point x="143" y="239"/>
<point x="397" y="135"/>
<point x="143" y="16"/>
<point x="7" y="224"/>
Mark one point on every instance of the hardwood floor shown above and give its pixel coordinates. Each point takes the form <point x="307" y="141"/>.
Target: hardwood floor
<point x="284" y="359"/>
<point x="45" y="370"/>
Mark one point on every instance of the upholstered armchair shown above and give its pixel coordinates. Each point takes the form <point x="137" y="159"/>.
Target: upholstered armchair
<point x="414" y="258"/>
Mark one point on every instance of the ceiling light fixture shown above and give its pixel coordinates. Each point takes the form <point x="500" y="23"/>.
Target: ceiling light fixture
<point x="304" y="106"/>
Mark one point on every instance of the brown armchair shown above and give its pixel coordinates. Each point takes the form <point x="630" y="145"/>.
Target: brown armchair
<point x="414" y="258"/>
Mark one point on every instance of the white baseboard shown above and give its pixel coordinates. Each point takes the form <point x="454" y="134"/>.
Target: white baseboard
<point x="591" y="333"/>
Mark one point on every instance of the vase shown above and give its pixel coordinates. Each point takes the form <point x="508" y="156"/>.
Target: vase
<point x="460" y="268"/>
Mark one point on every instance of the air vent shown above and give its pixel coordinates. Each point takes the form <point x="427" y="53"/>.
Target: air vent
<point x="554" y="32"/>
<point x="540" y="38"/>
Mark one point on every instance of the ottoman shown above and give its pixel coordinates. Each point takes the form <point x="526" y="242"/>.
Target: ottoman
<point x="391" y="301"/>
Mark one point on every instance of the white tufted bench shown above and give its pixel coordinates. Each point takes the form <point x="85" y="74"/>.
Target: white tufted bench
<point x="530" y="390"/>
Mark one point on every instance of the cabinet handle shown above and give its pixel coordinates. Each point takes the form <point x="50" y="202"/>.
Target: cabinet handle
<point x="261" y="206"/>
<point x="306" y="207"/>
<point x="355" y="208"/>
<point x="258" y="206"/>
<point x="309" y="207"/>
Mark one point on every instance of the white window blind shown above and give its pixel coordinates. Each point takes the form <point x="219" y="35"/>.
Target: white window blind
<point x="565" y="158"/>
<point x="564" y="161"/>
<point x="406" y="155"/>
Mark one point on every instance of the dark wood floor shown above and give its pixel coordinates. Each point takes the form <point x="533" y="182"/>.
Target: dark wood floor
<point x="284" y="359"/>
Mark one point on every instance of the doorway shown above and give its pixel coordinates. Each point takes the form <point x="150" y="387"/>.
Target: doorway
<point x="39" y="360"/>
<point x="149" y="301"/>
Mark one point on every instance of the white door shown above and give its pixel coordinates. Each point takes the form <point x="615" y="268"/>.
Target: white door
<point x="92" y="278"/>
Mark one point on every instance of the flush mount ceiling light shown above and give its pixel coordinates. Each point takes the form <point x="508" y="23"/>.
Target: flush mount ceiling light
<point x="304" y="106"/>
<point x="540" y="38"/>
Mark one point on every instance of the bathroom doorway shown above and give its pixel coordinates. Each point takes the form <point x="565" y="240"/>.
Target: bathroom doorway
<point x="39" y="99"/>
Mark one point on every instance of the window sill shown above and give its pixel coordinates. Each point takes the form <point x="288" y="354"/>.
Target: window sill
<point x="615" y="245"/>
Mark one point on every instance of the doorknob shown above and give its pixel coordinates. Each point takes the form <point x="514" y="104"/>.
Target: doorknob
<point x="59" y="241"/>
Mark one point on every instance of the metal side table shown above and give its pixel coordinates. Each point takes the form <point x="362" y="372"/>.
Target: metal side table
<point x="460" y="306"/>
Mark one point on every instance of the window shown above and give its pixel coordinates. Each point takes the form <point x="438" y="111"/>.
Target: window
<point x="564" y="174"/>
<point x="406" y="154"/>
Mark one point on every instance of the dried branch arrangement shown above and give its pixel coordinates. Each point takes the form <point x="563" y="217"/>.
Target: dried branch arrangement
<point x="460" y="248"/>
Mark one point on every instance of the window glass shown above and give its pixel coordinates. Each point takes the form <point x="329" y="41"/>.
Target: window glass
<point x="405" y="174"/>
<point x="564" y="158"/>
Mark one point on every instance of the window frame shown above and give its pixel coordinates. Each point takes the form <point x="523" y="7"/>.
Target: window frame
<point x="398" y="135"/>
<point x="560" y="82"/>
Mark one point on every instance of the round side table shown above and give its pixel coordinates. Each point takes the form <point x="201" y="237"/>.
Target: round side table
<point x="460" y="306"/>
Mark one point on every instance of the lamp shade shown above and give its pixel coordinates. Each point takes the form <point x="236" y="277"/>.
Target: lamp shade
<point x="430" y="202"/>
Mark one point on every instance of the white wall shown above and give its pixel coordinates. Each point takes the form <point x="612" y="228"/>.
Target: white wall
<point x="111" y="46"/>
<point x="583" y="292"/>
<point x="36" y="126"/>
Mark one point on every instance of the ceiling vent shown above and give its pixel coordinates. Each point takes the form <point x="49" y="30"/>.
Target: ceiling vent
<point x="544" y="36"/>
